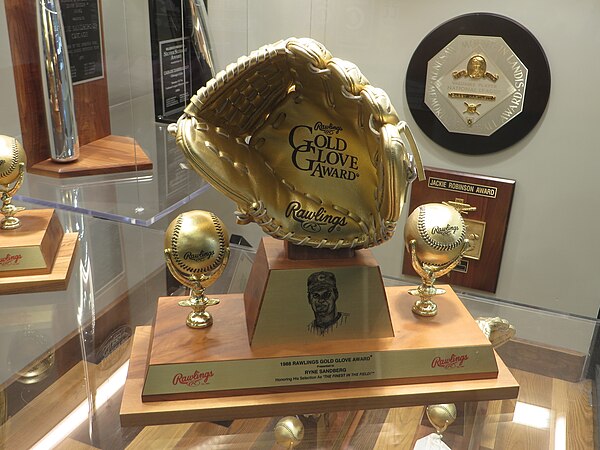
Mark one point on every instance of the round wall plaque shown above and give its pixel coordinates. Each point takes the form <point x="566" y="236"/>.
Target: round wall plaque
<point x="478" y="83"/>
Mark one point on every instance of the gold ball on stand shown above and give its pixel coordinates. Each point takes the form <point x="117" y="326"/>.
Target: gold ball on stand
<point x="435" y="239"/>
<point x="196" y="253"/>
<point x="441" y="416"/>
<point x="12" y="171"/>
<point x="198" y="242"/>
<point x="289" y="432"/>
<point x="439" y="233"/>
<point x="12" y="155"/>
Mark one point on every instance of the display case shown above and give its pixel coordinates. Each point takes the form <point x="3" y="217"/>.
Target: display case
<point x="73" y="360"/>
<point x="67" y="353"/>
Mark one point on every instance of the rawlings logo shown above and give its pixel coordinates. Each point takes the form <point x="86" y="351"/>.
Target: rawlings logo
<point x="194" y="379"/>
<point x="453" y="362"/>
<point x="202" y="256"/>
<point x="312" y="221"/>
<point x="323" y="155"/>
<point x="328" y="129"/>
<point x="444" y="231"/>
<point x="10" y="260"/>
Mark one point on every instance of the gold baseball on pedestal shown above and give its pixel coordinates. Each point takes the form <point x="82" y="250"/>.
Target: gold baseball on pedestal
<point x="12" y="170"/>
<point x="196" y="252"/>
<point x="441" y="416"/>
<point x="435" y="238"/>
<point x="438" y="231"/>
<point x="289" y="431"/>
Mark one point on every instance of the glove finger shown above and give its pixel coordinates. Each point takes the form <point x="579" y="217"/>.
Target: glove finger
<point x="215" y="166"/>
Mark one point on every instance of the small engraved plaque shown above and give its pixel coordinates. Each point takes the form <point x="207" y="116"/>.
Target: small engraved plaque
<point x="84" y="40"/>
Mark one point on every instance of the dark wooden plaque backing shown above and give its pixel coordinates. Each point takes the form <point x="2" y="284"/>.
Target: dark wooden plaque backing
<point x="527" y="48"/>
<point x="90" y="98"/>
<point x="480" y="274"/>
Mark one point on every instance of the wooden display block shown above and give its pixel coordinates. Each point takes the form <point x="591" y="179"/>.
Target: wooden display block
<point x="219" y="361"/>
<point x="56" y="280"/>
<point x="360" y="301"/>
<point x="134" y="412"/>
<point x="37" y="256"/>
<point x="111" y="154"/>
<point x="31" y="249"/>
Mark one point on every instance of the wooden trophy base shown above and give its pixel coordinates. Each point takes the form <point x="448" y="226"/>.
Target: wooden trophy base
<point x="219" y="362"/>
<point x="135" y="412"/>
<point x="111" y="154"/>
<point x="37" y="256"/>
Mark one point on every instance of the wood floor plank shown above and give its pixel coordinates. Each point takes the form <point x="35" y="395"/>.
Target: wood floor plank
<point x="490" y="425"/>
<point x="72" y="444"/>
<point x="159" y="437"/>
<point x="572" y="415"/>
<point x="398" y="431"/>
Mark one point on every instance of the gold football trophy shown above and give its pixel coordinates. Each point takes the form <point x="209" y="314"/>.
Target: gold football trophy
<point x="196" y="252"/>
<point x="435" y="238"/>
<point x="12" y="170"/>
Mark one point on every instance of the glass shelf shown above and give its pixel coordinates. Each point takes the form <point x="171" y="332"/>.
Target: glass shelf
<point x="139" y="198"/>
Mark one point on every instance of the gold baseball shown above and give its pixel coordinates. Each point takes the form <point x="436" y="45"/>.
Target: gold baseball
<point x="289" y="431"/>
<point x="439" y="232"/>
<point x="198" y="242"/>
<point x="441" y="416"/>
<point x="12" y="155"/>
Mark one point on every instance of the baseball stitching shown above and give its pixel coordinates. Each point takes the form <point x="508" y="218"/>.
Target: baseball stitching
<point x="14" y="160"/>
<point x="428" y="239"/>
<point x="222" y="245"/>
<point x="289" y="430"/>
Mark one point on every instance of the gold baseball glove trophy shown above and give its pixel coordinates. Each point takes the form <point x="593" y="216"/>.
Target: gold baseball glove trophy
<point x="314" y="155"/>
<point x="304" y="145"/>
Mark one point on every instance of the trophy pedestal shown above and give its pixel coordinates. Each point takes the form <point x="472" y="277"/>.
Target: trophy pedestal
<point x="220" y="362"/>
<point x="276" y="299"/>
<point x="111" y="154"/>
<point x="38" y="255"/>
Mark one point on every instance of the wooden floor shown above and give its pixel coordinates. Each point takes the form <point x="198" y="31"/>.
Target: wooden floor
<point x="549" y="414"/>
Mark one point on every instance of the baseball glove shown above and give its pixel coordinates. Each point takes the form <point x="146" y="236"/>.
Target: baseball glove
<point x="304" y="145"/>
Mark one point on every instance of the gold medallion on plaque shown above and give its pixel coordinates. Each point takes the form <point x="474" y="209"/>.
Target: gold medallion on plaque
<point x="475" y="85"/>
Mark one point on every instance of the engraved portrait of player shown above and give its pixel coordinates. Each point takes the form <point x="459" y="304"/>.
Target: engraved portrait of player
<point x="322" y="297"/>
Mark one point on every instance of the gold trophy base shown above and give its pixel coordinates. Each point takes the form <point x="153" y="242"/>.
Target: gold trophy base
<point x="199" y="318"/>
<point x="10" y="223"/>
<point x="425" y="306"/>
<point x="219" y="362"/>
<point x="38" y="255"/>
